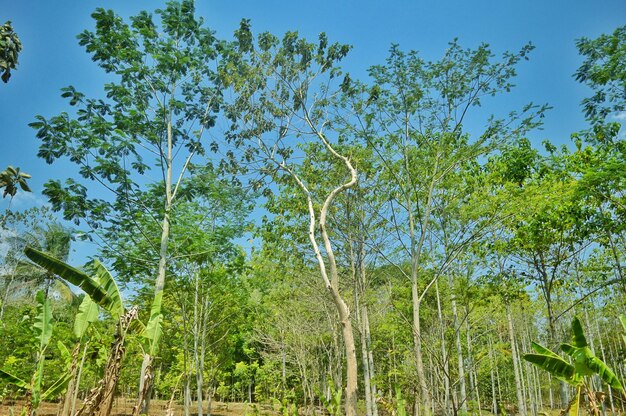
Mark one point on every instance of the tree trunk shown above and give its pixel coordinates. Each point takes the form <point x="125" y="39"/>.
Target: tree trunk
<point x="444" y="353"/>
<point x="331" y="276"/>
<point x="516" y="364"/>
<point x="459" y="349"/>
<point x="423" y="401"/>
<point x="146" y="376"/>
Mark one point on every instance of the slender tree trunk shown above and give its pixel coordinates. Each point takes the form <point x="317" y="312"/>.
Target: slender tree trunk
<point x="146" y="376"/>
<point x="370" y="360"/>
<point x="331" y="276"/>
<point x="516" y="364"/>
<point x="198" y="324"/>
<point x="494" y="398"/>
<point x="364" y="359"/>
<point x="459" y="349"/>
<point x="78" y="377"/>
<point x="444" y="353"/>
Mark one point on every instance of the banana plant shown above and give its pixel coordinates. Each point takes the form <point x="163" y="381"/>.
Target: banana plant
<point x="585" y="364"/>
<point x="102" y="291"/>
<point x="34" y="391"/>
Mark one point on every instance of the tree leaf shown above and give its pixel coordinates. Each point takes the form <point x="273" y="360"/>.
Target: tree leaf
<point x="539" y="349"/>
<point x="57" y="388"/>
<point x="102" y="276"/>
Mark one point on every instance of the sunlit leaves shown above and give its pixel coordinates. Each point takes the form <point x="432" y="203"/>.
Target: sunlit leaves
<point x="10" y="47"/>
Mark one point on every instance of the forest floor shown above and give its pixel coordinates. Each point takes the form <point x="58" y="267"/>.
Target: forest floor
<point x="123" y="407"/>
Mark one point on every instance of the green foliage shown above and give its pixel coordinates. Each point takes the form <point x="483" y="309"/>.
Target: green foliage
<point x="43" y="331"/>
<point x="100" y="287"/>
<point x="332" y="404"/>
<point x="11" y="178"/>
<point x="585" y="364"/>
<point x="10" y="47"/>
<point x="604" y="70"/>
<point x="87" y="314"/>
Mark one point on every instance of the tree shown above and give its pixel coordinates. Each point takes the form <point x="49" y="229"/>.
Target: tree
<point x="604" y="70"/>
<point x="10" y="47"/>
<point x="154" y="118"/>
<point x="413" y="116"/>
<point x="284" y="90"/>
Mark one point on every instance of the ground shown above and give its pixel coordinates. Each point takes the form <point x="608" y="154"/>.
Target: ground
<point x="123" y="407"/>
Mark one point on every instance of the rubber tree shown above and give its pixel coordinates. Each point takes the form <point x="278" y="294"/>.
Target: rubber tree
<point x="284" y="91"/>
<point x="413" y="114"/>
<point x="158" y="105"/>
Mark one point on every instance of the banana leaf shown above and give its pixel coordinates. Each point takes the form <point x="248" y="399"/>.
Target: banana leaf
<point x="87" y="313"/>
<point x="94" y="289"/>
<point x="555" y="365"/>
<point x="43" y="320"/>
<point x="57" y="388"/>
<point x="102" y="276"/>
<point x="605" y="373"/>
<point x="15" y="380"/>
<point x="541" y="350"/>
<point x="578" y="337"/>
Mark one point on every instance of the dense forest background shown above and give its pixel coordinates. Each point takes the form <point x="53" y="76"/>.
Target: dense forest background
<point x="408" y="246"/>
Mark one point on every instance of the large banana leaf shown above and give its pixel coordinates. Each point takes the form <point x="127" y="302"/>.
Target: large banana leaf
<point x="87" y="313"/>
<point x="102" y="276"/>
<point x="539" y="349"/>
<point x="16" y="381"/>
<point x="153" y="330"/>
<point x="605" y="373"/>
<point x="57" y="388"/>
<point x="578" y="337"/>
<point x="555" y="365"/>
<point x="96" y="291"/>
<point x="43" y="320"/>
<point x="574" y="405"/>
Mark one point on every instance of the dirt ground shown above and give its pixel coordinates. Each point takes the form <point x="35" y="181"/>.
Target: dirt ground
<point x="124" y="407"/>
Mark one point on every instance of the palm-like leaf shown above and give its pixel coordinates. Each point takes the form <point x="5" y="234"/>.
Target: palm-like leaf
<point x="15" y="380"/>
<point x="87" y="313"/>
<point x="540" y="349"/>
<point x="578" y="337"/>
<point x="43" y="321"/>
<point x="102" y="276"/>
<point x="97" y="291"/>
<point x="555" y="365"/>
<point x="57" y="388"/>
<point x="605" y="373"/>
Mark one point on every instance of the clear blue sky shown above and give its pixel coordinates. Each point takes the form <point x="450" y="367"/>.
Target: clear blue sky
<point x="52" y="59"/>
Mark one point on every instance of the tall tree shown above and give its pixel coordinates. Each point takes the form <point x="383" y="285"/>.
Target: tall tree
<point x="285" y="91"/>
<point x="414" y="117"/>
<point x="158" y="106"/>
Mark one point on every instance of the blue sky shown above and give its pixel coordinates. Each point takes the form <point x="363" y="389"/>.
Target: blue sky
<point x="52" y="59"/>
